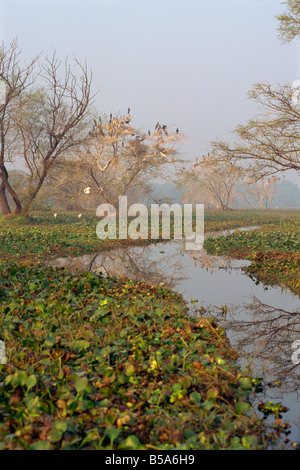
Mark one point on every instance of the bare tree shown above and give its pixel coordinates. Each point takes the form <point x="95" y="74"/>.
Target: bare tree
<point x="260" y="191"/>
<point x="15" y="78"/>
<point x="51" y="120"/>
<point x="118" y="159"/>
<point x="215" y="176"/>
<point x="270" y="143"/>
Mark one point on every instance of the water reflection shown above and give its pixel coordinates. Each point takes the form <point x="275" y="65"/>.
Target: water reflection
<point x="138" y="263"/>
<point x="261" y="323"/>
<point x="146" y="263"/>
<point x="266" y="332"/>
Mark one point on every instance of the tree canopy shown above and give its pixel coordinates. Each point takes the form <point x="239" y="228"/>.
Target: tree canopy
<point x="289" y="21"/>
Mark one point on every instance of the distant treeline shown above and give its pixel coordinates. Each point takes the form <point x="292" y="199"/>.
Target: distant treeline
<point x="288" y="195"/>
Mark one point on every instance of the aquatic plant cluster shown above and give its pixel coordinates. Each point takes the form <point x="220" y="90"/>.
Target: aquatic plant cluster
<point x="99" y="363"/>
<point x="94" y="363"/>
<point x="42" y="236"/>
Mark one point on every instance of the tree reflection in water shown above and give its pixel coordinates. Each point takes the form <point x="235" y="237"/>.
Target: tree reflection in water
<point x="266" y="335"/>
<point x="135" y="263"/>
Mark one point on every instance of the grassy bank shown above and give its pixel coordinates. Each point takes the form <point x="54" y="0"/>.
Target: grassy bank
<point x="274" y="250"/>
<point x="42" y="236"/>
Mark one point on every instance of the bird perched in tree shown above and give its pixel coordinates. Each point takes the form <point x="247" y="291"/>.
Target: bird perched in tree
<point x="149" y="133"/>
<point x="128" y="112"/>
<point x="177" y="131"/>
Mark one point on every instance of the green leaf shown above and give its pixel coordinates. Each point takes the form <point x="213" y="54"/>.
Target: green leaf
<point x="207" y="405"/>
<point x="19" y="378"/>
<point x="81" y="384"/>
<point x="40" y="445"/>
<point x="242" y="408"/>
<point x="31" y="381"/>
<point x="33" y="404"/>
<point x="80" y="345"/>
<point x="129" y="370"/>
<point x="196" y="397"/>
<point x="55" y="435"/>
<point x="245" y="383"/>
<point x="131" y="442"/>
<point x="50" y="341"/>
<point x="60" y="425"/>
<point x="250" y="442"/>
<point x="112" y="433"/>
<point x="235" y="443"/>
<point x="176" y="387"/>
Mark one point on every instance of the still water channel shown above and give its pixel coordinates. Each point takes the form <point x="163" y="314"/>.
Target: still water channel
<point x="261" y="322"/>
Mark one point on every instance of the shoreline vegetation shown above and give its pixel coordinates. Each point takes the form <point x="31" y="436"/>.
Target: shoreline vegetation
<point x="96" y="363"/>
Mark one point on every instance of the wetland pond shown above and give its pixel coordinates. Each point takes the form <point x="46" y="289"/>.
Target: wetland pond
<point x="261" y="322"/>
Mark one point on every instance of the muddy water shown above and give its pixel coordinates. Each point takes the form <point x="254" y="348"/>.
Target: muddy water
<point x="261" y="322"/>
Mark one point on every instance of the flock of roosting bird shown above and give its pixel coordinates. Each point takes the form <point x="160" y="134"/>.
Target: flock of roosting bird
<point x="115" y="123"/>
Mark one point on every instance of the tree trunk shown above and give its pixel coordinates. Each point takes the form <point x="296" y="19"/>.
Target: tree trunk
<point x="3" y="198"/>
<point x="25" y="210"/>
<point x="15" y="198"/>
<point x="3" y="201"/>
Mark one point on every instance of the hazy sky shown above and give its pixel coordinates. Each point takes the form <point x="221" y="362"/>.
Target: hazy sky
<point x="184" y="63"/>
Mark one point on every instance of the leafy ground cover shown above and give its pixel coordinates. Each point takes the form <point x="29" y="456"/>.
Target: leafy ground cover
<point x="216" y="220"/>
<point x="99" y="363"/>
<point x="42" y="236"/>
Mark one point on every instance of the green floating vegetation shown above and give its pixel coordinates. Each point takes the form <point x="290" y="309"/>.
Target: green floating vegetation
<point x="97" y="363"/>
<point x="42" y="236"/>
